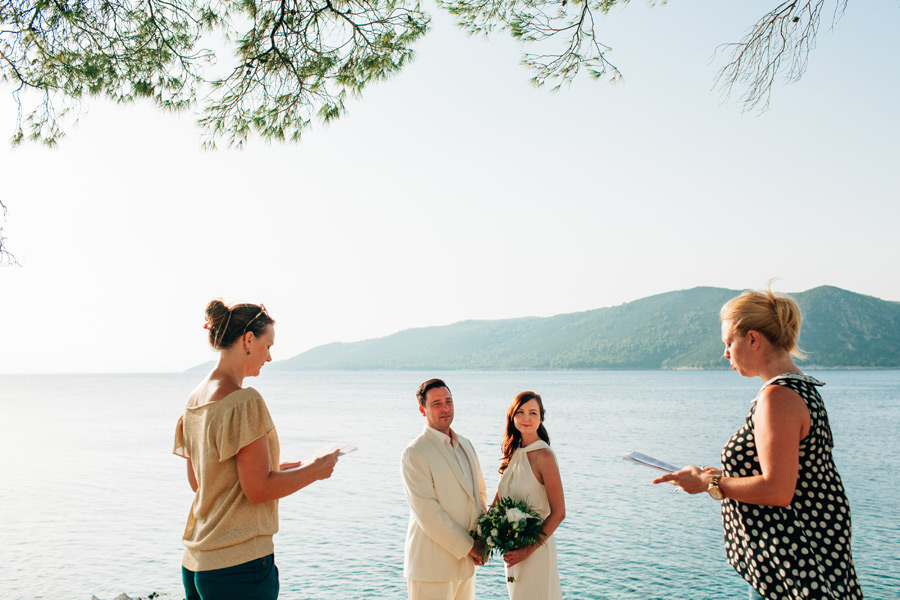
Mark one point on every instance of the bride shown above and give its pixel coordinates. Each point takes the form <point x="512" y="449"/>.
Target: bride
<point x="529" y="472"/>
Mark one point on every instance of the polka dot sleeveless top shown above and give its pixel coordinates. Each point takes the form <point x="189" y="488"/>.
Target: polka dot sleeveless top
<point x="801" y="550"/>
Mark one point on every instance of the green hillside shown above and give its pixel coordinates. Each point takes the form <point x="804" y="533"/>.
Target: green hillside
<point x="675" y="330"/>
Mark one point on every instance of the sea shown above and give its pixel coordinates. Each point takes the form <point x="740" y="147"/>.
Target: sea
<point x="94" y="503"/>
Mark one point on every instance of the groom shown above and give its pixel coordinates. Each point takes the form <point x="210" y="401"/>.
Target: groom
<point x="446" y="494"/>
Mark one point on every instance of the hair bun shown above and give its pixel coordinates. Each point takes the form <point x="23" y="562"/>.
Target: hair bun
<point x="216" y="312"/>
<point x="776" y="316"/>
<point x="227" y="323"/>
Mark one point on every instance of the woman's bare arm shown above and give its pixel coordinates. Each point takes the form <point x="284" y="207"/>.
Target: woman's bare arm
<point x="192" y="478"/>
<point x="260" y="484"/>
<point x="548" y="474"/>
<point x="781" y="422"/>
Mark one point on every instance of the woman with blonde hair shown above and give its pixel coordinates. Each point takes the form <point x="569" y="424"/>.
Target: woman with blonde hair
<point x="229" y="440"/>
<point x="784" y="511"/>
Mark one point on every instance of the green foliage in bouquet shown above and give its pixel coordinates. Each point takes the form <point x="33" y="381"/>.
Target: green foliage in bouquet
<point x="508" y="525"/>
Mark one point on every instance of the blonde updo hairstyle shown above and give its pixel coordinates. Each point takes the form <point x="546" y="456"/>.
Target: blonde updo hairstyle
<point x="775" y="316"/>
<point x="228" y="323"/>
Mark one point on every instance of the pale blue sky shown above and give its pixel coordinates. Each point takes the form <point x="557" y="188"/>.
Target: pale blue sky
<point x="457" y="191"/>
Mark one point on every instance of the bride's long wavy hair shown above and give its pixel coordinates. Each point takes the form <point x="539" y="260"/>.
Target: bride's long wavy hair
<point x="513" y="439"/>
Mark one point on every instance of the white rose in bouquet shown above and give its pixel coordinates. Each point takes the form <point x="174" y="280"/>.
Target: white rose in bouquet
<point x="514" y="515"/>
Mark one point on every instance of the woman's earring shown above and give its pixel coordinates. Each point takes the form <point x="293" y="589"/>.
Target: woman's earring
<point x="248" y="352"/>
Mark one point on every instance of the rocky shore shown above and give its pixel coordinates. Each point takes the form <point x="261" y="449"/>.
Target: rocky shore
<point x="150" y="596"/>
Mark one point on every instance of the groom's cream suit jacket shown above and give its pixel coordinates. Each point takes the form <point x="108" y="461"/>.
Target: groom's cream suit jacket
<point x="443" y="509"/>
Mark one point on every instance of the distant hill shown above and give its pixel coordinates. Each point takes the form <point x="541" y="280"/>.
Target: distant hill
<point x="675" y="330"/>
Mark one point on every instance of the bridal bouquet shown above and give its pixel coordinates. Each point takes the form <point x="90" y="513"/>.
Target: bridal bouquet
<point x="508" y="525"/>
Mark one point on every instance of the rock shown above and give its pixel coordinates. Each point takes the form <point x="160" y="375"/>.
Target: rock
<point x="124" y="596"/>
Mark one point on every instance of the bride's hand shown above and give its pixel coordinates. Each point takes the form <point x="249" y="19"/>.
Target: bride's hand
<point x="514" y="557"/>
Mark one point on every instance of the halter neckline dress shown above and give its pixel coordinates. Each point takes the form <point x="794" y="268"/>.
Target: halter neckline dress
<point x="536" y="577"/>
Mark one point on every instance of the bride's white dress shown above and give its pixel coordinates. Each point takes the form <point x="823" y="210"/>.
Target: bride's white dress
<point x="536" y="577"/>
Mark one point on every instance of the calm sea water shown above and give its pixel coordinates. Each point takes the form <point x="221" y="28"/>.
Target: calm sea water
<point x="93" y="502"/>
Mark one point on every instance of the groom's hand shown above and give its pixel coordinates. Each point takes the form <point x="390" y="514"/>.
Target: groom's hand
<point x="477" y="552"/>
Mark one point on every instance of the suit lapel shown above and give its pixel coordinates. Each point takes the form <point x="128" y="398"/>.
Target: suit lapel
<point x="475" y="467"/>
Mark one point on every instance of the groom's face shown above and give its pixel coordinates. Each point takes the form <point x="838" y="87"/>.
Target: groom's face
<point x="438" y="409"/>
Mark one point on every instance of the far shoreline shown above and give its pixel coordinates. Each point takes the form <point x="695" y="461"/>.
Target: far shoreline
<point x="203" y="369"/>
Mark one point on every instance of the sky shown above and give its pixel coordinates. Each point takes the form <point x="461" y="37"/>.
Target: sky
<point x="455" y="191"/>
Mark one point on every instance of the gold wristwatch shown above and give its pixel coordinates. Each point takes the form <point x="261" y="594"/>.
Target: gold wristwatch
<point x="713" y="489"/>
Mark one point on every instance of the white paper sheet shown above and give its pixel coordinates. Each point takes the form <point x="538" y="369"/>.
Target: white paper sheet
<point x="649" y="461"/>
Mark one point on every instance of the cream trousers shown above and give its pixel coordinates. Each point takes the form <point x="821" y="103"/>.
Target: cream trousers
<point x="464" y="589"/>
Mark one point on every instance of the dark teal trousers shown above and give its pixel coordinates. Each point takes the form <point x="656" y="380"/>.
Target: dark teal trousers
<point x="254" y="580"/>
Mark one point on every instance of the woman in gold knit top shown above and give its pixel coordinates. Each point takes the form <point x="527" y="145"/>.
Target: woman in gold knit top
<point x="229" y="440"/>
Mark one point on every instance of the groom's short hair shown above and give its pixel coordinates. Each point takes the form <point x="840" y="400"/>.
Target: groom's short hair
<point x="429" y="385"/>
